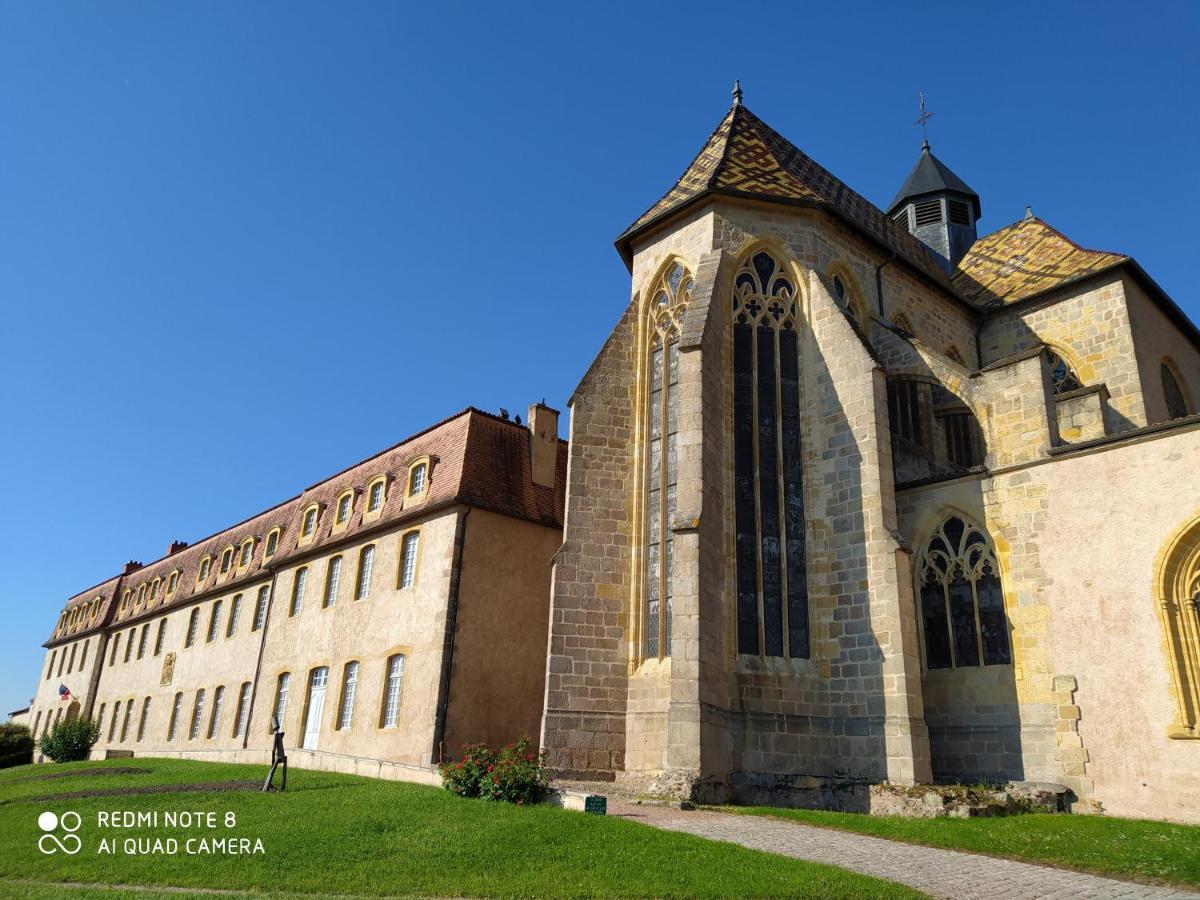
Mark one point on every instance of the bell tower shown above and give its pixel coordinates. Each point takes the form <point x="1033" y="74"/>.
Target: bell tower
<point x="938" y="209"/>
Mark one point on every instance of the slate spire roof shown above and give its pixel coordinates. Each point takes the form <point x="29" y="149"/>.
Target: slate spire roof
<point x="745" y="157"/>
<point x="932" y="176"/>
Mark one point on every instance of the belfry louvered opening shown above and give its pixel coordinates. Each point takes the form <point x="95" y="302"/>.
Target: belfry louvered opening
<point x="928" y="212"/>
<point x="771" y="572"/>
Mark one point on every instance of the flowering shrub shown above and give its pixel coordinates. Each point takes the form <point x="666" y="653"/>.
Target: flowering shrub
<point x="513" y="773"/>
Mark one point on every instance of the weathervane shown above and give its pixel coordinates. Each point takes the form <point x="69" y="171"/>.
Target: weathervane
<point x="922" y="119"/>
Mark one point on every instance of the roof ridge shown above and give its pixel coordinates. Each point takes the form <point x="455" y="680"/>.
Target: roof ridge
<point x="1039" y="220"/>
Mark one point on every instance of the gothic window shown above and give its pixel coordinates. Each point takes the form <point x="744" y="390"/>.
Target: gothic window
<point x="904" y="411"/>
<point x="1179" y="607"/>
<point x="1062" y="377"/>
<point x="848" y="299"/>
<point x="770" y="571"/>
<point x="1172" y="393"/>
<point x="665" y="313"/>
<point x="962" y="604"/>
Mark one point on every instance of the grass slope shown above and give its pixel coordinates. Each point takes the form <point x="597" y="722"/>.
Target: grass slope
<point x="335" y="833"/>
<point x="1130" y="848"/>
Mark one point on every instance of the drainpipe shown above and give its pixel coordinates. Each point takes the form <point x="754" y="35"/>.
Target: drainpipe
<point x="443" y="701"/>
<point x="879" y="283"/>
<point x="262" y="645"/>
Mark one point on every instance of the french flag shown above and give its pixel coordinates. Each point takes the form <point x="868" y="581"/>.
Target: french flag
<point x="64" y="693"/>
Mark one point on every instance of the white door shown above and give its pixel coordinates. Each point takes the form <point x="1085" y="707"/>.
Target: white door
<point x="316" y="703"/>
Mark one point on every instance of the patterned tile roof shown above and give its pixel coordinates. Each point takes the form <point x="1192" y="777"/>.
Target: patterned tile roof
<point x="746" y="157"/>
<point x="480" y="460"/>
<point x="1022" y="260"/>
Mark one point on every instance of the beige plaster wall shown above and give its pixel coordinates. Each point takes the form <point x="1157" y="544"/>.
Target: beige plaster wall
<point x="498" y="676"/>
<point x="47" y="706"/>
<point x="1156" y="337"/>
<point x="1088" y="699"/>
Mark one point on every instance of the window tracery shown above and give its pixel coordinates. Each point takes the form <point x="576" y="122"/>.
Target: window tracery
<point x="664" y="316"/>
<point x="1062" y="376"/>
<point x="1179" y="606"/>
<point x="962" y="602"/>
<point x="769" y="525"/>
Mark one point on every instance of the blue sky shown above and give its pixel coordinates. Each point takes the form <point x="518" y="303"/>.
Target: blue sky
<point x="244" y="245"/>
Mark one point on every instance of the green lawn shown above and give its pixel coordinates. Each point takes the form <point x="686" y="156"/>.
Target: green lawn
<point x="342" y="834"/>
<point x="1130" y="848"/>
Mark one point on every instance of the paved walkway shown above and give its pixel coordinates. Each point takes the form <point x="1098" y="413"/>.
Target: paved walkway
<point x="939" y="873"/>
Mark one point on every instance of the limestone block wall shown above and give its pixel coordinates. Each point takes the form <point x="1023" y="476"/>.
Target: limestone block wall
<point x="1020" y="422"/>
<point x="1156" y="338"/>
<point x="498" y="675"/>
<point x="1080" y="414"/>
<point x="73" y="663"/>
<point x="1089" y="323"/>
<point x="583" y="725"/>
<point x="1088" y="699"/>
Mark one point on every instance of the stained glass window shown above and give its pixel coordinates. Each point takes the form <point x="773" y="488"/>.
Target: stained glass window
<point x="670" y="299"/>
<point x="770" y="569"/>
<point x="962" y="603"/>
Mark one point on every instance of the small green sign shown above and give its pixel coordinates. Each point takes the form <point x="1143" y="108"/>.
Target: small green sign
<point x="596" y="805"/>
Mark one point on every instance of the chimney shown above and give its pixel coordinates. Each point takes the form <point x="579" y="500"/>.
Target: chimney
<point x="176" y="546"/>
<point x="543" y="444"/>
<point x="132" y="566"/>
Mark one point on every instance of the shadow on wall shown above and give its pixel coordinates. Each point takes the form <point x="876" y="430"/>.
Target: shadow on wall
<point x="966" y="641"/>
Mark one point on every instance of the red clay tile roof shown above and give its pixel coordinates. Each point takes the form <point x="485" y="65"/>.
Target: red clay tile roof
<point x="1025" y="258"/>
<point x="479" y="460"/>
<point x="746" y="157"/>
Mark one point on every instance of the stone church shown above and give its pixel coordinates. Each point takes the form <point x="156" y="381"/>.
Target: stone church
<point x="859" y="496"/>
<point x="850" y="496"/>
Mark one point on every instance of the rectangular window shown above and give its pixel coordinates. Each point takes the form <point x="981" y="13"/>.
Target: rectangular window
<point x="375" y="498"/>
<point x="215" y="719"/>
<point x="281" y="698"/>
<point x="235" y="612"/>
<point x="904" y="411"/>
<point x="161" y="636"/>
<point x="243" y="710"/>
<point x="408" y="560"/>
<point x="960" y="447"/>
<point x="175" y="709"/>
<point x="391" y="697"/>
<point x="260" y="608"/>
<point x="349" y="688"/>
<point x="214" y="622"/>
<point x="298" y="591"/>
<point x="141" y="732"/>
<point x="333" y="576"/>
<point x="366" y="561"/>
<point x="112" y="726"/>
<point x="745" y="514"/>
<point x="143" y="640"/>
<point x="125" y="721"/>
<point x="197" y="714"/>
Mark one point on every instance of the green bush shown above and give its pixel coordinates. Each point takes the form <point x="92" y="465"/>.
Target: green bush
<point x="16" y="745"/>
<point x="513" y="773"/>
<point x="70" y="741"/>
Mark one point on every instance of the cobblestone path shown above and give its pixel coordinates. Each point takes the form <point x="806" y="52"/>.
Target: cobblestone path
<point x="939" y="873"/>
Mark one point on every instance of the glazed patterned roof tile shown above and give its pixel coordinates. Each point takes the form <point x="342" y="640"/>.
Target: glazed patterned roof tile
<point x="1022" y="260"/>
<point x="746" y="156"/>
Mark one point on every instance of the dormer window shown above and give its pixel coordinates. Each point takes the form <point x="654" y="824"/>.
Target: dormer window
<point x="375" y="496"/>
<point x="141" y="597"/>
<point x="417" y="479"/>
<point x="172" y="583"/>
<point x="272" y="544"/>
<point x="205" y="567"/>
<point x="226" y="559"/>
<point x="309" y="527"/>
<point x="246" y="554"/>
<point x="344" y="505"/>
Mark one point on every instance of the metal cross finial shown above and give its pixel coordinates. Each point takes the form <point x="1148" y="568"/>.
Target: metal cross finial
<point x="737" y="93"/>
<point x="922" y="119"/>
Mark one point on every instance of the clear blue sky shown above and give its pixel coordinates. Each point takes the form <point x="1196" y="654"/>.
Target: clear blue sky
<point x="244" y="245"/>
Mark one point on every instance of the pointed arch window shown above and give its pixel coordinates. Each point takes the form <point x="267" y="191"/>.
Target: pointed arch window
<point x="771" y="571"/>
<point x="664" y="315"/>
<point x="1177" y="406"/>
<point x="962" y="603"/>
<point x="1062" y="376"/>
<point x="1179" y="608"/>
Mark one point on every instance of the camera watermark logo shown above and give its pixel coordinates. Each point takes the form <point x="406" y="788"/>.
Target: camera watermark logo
<point x="50" y="842"/>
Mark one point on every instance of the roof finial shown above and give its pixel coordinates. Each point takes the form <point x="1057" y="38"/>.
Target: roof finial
<point x="1029" y="211"/>
<point x="737" y="93"/>
<point x="922" y="119"/>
